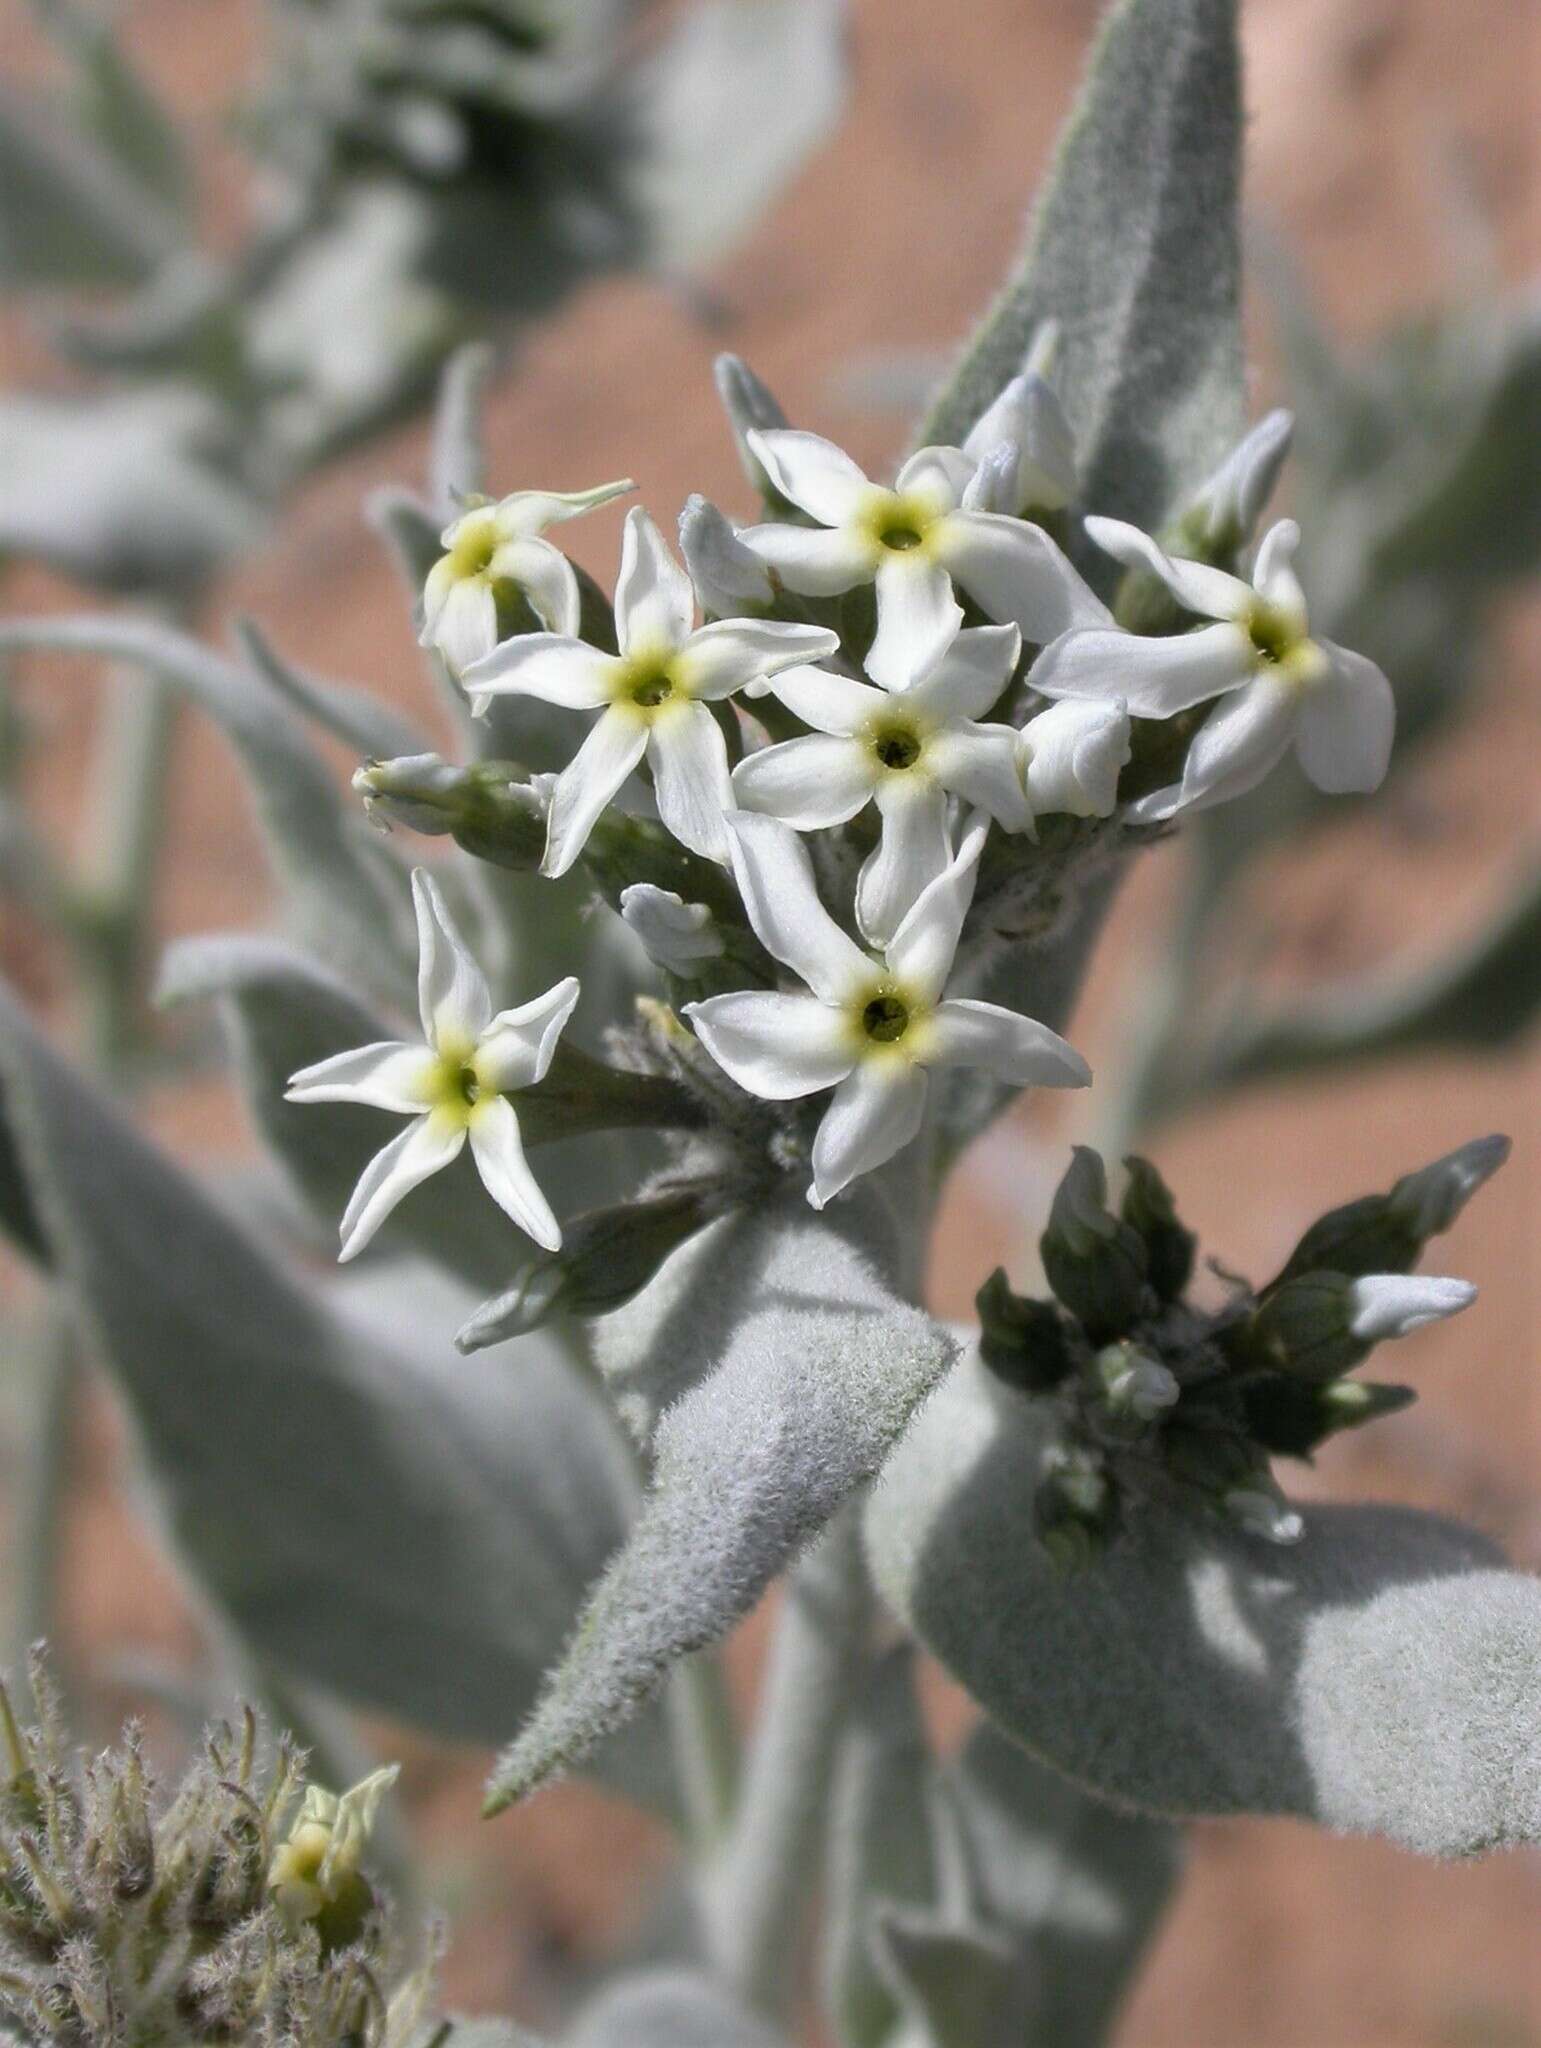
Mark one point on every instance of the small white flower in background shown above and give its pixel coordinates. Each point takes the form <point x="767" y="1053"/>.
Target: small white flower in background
<point x="913" y="542"/>
<point x="1395" y="1304"/>
<point x="655" y="697"/>
<point x="908" y="751"/>
<point x="493" y="555"/>
<point x="679" y="936"/>
<point x="1072" y="755"/>
<point x="1224" y="511"/>
<point x="729" y="577"/>
<point x="454" y="1086"/>
<point x="870" y="1028"/>
<point x="1280" y="687"/>
<point x="321" y="1854"/>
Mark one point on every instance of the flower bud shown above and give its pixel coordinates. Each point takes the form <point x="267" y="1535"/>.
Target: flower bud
<point x="1386" y="1233"/>
<point x="490" y="808"/>
<point x="1075" y="1509"/>
<point x="1039" y="475"/>
<point x="750" y="406"/>
<point x="1073" y="755"/>
<point x="1305" y="1328"/>
<point x="1385" y="1305"/>
<point x="1148" y="1208"/>
<point x="1025" y="1343"/>
<point x="680" y="937"/>
<point x="1258" y="1506"/>
<point x="1223" y="513"/>
<point x="1291" y="1419"/>
<point x="1135" y="1385"/>
<point x="315" y="1875"/>
<point x="730" y="579"/>
<point x="1093" y="1260"/>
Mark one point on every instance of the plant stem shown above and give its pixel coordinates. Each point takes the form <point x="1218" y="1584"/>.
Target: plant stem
<point x="48" y="1438"/>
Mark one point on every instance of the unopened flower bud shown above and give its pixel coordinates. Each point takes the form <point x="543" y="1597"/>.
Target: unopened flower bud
<point x="1385" y="1305"/>
<point x="1039" y="473"/>
<point x="1134" y="1384"/>
<point x="1223" y="513"/>
<point x="315" y="1873"/>
<point x="1291" y="1418"/>
<point x="1073" y="755"/>
<point x="1024" y="1342"/>
<point x="1075" y="1509"/>
<point x="750" y="406"/>
<point x="491" y="808"/>
<point x="730" y="579"/>
<point x="1387" y="1233"/>
<point x="1305" y="1328"/>
<point x="1260" y="1508"/>
<point x="680" y="937"/>
<point x="1148" y="1208"/>
<point x="1093" y="1260"/>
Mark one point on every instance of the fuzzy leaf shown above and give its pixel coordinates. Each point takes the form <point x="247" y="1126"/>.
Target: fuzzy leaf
<point x="1382" y="1676"/>
<point x="68" y="216"/>
<point x="669" y="2009"/>
<point x="793" y="1369"/>
<point x="406" y="1528"/>
<point x="1133" y="249"/>
<point x="356" y="717"/>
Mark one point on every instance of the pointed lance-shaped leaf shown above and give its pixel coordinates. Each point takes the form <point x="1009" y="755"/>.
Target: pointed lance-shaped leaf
<point x="1387" y="1233"/>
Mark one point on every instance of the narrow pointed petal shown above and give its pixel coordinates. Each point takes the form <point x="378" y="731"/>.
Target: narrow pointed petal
<point x="1076" y="751"/>
<point x="689" y="758"/>
<point x="981" y="764"/>
<point x="588" y="782"/>
<point x="1154" y="678"/>
<point x="518" y="1045"/>
<point x="1274" y="570"/>
<point x="530" y="512"/>
<point x="912" y="852"/>
<point x="812" y="472"/>
<point x="466" y="627"/>
<point x="386" y="1075"/>
<point x="551" y="666"/>
<point x="875" y="1113"/>
<point x="815" y="561"/>
<point x="808" y="783"/>
<point x="452" y="994"/>
<point x="732" y="654"/>
<point x="1014" y="572"/>
<point x="1347" y="724"/>
<point x="918" y="618"/>
<point x="1241" y="741"/>
<point x="775" y="879"/>
<point x="922" y="950"/>
<point x="1012" y="1048"/>
<point x="1198" y="588"/>
<point x="827" y="702"/>
<point x="939" y="474"/>
<point x="655" y="605"/>
<point x="779" y="1047"/>
<point x="421" y="1149"/>
<point x="546" y="577"/>
<point x="440" y="581"/>
<point x="973" y="671"/>
<point x="727" y="575"/>
<point x="498" y="1150"/>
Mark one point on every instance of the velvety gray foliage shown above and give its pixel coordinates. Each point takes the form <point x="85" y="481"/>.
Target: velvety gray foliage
<point x="356" y="717"/>
<point x="409" y="1529"/>
<point x="481" y="2033"/>
<point x="1381" y="1676"/>
<point x="669" y="2009"/>
<point x="789" y="1378"/>
<point x="1133" y="249"/>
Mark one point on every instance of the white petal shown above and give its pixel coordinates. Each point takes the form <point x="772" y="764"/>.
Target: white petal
<point x="1274" y="571"/>
<point x="968" y="679"/>
<point x="1385" y="1305"/>
<point x="421" y="1149"/>
<point x="386" y="1075"/>
<point x="727" y="575"/>
<point x="689" y="758"/>
<point x="828" y="702"/>
<point x="779" y="1047"/>
<point x="452" y="994"/>
<point x="467" y="625"/>
<point x="655" y="606"/>
<point x="731" y="654"/>
<point x="1198" y="588"/>
<point x="812" y="472"/>
<point x="921" y="954"/>
<point x="937" y="475"/>
<point x="551" y="666"/>
<point x="1347" y="724"/>
<point x="526" y="512"/>
<point x="1013" y="571"/>
<point x="1075" y="751"/>
<point x="808" y="783"/>
<point x="437" y="585"/>
<point x="1012" y="1048"/>
<point x="498" y="1150"/>
<point x="918" y="618"/>
<point x="980" y="763"/>
<point x="815" y="561"/>
<point x="546" y="577"/>
<point x="588" y="782"/>
<point x="1156" y="677"/>
<point x="1239" y="743"/>
<point x="875" y="1112"/>
<point x="775" y="879"/>
<point x="678" y="935"/>
<point x="1030" y="419"/>
<point x="517" y="1047"/>
<point x="913" y="850"/>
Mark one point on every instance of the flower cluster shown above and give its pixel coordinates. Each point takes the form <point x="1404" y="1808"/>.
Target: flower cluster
<point x="1149" y="1396"/>
<point x="816" y="808"/>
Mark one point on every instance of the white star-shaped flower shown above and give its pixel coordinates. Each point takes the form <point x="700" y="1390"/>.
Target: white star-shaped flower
<point x="908" y="751"/>
<point x="494" y="558"/>
<point x="1280" y="687"/>
<point x="913" y="542"/>
<point x="655" y="697"/>
<point x="454" y="1086"/>
<point x="871" y="1028"/>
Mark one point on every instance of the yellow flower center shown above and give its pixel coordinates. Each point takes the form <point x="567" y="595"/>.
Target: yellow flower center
<point x="899" y="521"/>
<point x="474" y="547"/>
<point x="459" y="1086"/>
<point x="885" y="1018"/>
<point x="897" y="744"/>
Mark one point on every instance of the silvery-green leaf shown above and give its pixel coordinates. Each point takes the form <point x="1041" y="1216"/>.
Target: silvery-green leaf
<point x="345" y="896"/>
<point x="459" y="465"/>
<point x="357" y="717"/>
<point x="669" y="2009"/>
<point x="405" y="1528"/>
<point x="124" y="492"/>
<point x="116" y="104"/>
<point x="1382" y="1676"/>
<point x="741" y="94"/>
<point x="792" y="1370"/>
<point x="1133" y="249"/>
<point x="67" y="214"/>
<point x="454" y="2033"/>
<point x="283" y="1012"/>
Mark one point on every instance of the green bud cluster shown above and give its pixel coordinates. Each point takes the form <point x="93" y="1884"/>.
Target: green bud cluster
<point x="1152" y="1395"/>
<point x="132" y="1916"/>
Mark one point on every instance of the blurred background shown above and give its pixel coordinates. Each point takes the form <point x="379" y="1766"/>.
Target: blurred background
<point x="1395" y="189"/>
